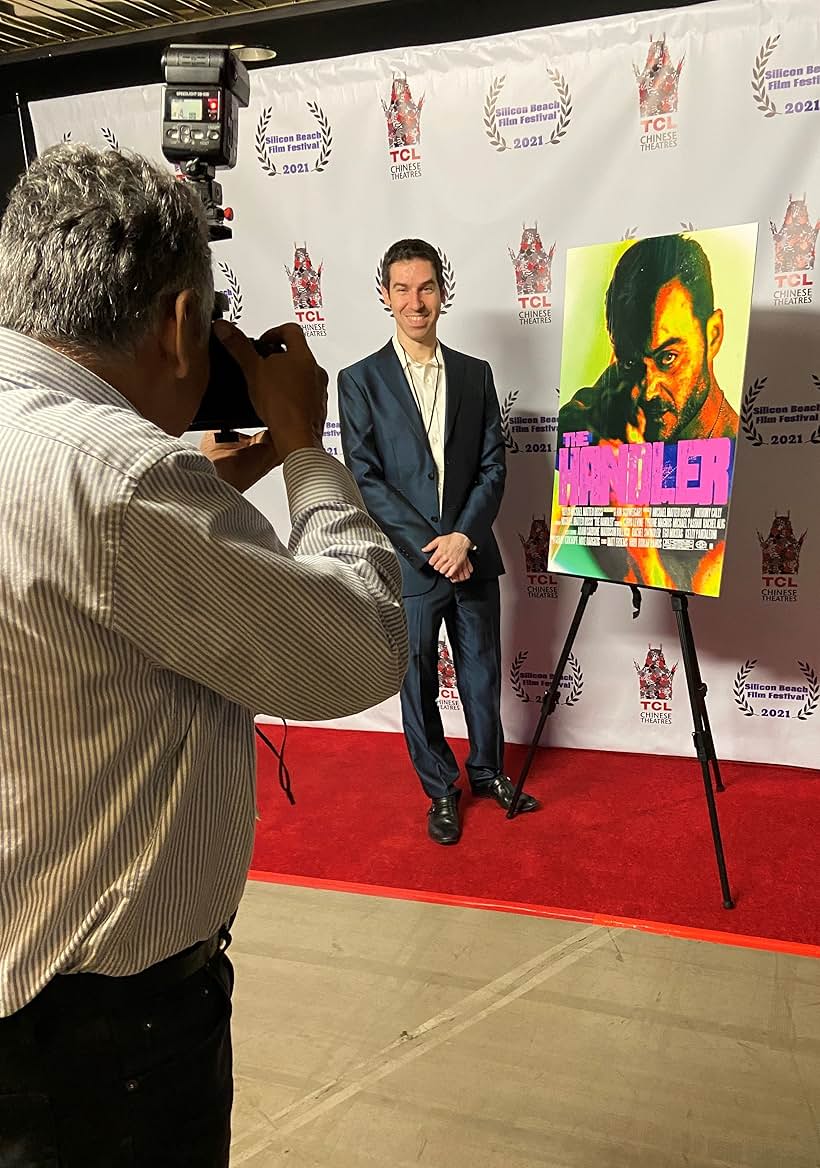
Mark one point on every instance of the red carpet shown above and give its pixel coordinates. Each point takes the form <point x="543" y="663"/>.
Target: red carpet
<point x="619" y="836"/>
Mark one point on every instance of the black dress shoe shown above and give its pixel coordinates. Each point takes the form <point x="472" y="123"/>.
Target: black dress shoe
<point x="502" y="790"/>
<point x="443" y="826"/>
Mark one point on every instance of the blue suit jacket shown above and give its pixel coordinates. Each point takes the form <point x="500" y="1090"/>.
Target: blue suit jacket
<point x="387" y="450"/>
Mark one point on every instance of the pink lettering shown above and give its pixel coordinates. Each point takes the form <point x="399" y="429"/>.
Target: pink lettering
<point x="642" y="473"/>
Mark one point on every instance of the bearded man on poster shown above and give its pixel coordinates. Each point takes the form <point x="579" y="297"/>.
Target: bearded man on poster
<point x="666" y="333"/>
<point x="660" y="386"/>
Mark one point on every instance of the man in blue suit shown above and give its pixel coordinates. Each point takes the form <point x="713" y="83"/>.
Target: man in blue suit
<point x="421" y="432"/>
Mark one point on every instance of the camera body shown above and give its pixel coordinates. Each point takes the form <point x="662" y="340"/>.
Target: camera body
<point x="205" y="87"/>
<point x="226" y="405"/>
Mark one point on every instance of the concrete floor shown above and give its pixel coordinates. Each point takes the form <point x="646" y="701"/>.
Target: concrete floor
<point x="374" y="1033"/>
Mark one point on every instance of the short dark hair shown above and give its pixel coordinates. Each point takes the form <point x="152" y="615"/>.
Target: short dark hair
<point x="412" y="249"/>
<point x="639" y="275"/>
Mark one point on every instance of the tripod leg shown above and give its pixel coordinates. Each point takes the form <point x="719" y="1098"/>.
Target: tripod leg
<point x="701" y="690"/>
<point x="702" y="736"/>
<point x="548" y="703"/>
<point x="550" y="698"/>
<point x="710" y="744"/>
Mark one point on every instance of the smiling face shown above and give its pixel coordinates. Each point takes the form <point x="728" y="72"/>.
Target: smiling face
<point x="677" y="372"/>
<point x="414" y="298"/>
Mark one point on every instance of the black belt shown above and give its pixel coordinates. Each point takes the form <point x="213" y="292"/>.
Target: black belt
<point x="92" y="987"/>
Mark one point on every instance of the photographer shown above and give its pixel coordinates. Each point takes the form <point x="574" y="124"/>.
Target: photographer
<point x="147" y="611"/>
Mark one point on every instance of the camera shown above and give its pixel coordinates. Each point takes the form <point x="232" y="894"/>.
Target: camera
<point x="205" y="87"/>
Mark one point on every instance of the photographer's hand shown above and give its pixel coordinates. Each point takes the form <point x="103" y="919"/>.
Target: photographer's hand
<point x="288" y="390"/>
<point x="244" y="462"/>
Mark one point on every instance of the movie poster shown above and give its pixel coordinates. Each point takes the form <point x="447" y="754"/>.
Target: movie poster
<point x="652" y="366"/>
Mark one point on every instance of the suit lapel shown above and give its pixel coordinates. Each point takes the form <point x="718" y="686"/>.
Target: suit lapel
<point x="454" y="369"/>
<point x="389" y="367"/>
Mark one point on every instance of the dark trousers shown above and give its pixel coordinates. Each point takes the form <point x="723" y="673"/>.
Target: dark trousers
<point x="95" y="1074"/>
<point x="472" y="616"/>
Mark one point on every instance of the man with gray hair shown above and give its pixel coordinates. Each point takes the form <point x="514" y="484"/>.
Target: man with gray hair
<point x="147" y="610"/>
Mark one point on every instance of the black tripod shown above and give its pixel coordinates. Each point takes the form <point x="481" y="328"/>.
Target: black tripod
<point x="704" y="743"/>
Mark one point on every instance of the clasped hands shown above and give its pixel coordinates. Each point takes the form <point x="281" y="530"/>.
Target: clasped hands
<point x="450" y="556"/>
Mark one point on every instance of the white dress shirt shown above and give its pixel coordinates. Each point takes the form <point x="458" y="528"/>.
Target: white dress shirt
<point x="147" y="611"/>
<point x="428" y="385"/>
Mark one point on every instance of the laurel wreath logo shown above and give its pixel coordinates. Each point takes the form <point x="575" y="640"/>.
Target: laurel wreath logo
<point x="263" y="153"/>
<point x="576" y="678"/>
<point x="808" y="708"/>
<point x="576" y="681"/>
<point x="491" y="128"/>
<point x="261" y="145"/>
<point x="815" y="437"/>
<point x="385" y="307"/>
<point x="327" y="136"/>
<point x="739" y="688"/>
<point x="235" y="311"/>
<point x="506" y="409"/>
<point x="762" y="100"/>
<point x="449" y="282"/>
<point x="497" y="139"/>
<point x="630" y="233"/>
<point x="515" y="676"/>
<point x="109" y="135"/>
<point x="687" y="226"/>
<point x="448" y="275"/>
<point x="565" y="108"/>
<point x="811" y="702"/>
<point x="747" y="415"/>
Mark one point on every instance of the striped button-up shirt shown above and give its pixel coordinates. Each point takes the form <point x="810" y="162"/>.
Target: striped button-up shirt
<point x="147" y="610"/>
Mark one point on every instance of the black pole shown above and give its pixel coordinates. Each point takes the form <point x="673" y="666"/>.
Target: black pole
<point x="550" y="698"/>
<point x="704" y="745"/>
<point x="707" y="734"/>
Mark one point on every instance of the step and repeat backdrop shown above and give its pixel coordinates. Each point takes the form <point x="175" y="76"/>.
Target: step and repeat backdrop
<point x="504" y="153"/>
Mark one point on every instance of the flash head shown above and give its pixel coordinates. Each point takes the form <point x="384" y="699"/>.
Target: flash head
<point x="207" y="65"/>
<point x="205" y="87"/>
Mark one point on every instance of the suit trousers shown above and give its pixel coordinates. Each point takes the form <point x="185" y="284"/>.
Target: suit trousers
<point x="471" y="613"/>
<point x="119" y="1079"/>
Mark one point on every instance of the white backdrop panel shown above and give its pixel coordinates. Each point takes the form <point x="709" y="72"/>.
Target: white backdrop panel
<point x="737" y="143"/>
